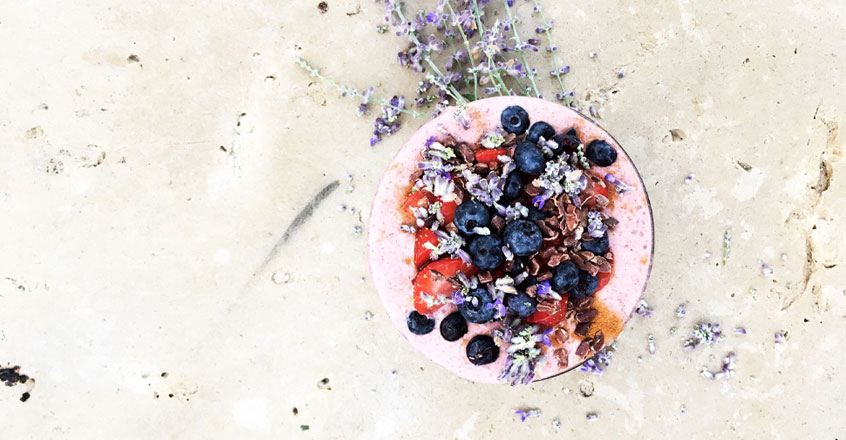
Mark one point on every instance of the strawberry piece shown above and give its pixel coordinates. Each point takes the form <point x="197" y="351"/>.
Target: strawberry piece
<point x="417" y="199"/>
<point x="487" y="156"/>
<point x="448" y="210"/>
<point x="602" y="279"/>
<point x="422" y="253"/>
<point x="437" y="285"/>
<point x="548" y="320"/>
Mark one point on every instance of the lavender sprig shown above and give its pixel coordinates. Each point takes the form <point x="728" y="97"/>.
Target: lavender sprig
<point x="552" y="50"/>
<point x="529" y="72"/>
<point x="424" y="50"/>
<point x="351" y="92"/>
<point x="467" y="46"/>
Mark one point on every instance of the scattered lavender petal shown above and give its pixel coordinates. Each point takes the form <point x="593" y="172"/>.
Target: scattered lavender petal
<point x="525" y="414"/>
<point x="643" y="309"/>
<point x="780" y="336"/>
<point x="766" y="269"/>
<point x="740" y="331"/>
<point x="681" y="311"/>
<point x="591" y="416"/>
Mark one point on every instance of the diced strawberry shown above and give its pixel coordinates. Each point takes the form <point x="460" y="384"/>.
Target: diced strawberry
<point x="599" y="189"/>
<point x="448" y="210"/>
<point x="422" y="253"/>
<point x="419" y="198"/>
<point x="548" y="320"/>
<point x="602" y="278"/>
<point x="487" y="156"/>
<point x="437" y="286"/>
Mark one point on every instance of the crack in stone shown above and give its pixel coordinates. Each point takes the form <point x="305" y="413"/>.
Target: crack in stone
<point x="826" y="172"/>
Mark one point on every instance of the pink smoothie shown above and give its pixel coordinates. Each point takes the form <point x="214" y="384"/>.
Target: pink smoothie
<point x="390" y="251"/>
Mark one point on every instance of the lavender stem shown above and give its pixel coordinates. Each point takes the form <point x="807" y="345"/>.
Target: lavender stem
<point x="529" y="72"/>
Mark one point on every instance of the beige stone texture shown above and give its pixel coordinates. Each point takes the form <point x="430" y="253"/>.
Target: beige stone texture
<point x="154" y="154"/>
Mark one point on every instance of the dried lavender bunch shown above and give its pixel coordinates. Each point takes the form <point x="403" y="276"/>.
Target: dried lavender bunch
<point x="461" y="56"/>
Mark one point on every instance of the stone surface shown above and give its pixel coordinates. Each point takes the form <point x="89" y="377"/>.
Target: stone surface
<point x="155" y="155"/>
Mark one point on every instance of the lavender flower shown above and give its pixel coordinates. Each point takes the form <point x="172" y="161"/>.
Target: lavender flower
<point x="707" y="332"/>
<point x="558" y="177"/>
<point x="643" y="309"/>
<point x="780" y="336"/>
<point x="525" y="414"/>
<point x="523" y="355"/>
<point x="498" y="307"/>
<point x="545" y="337"/>
<point x="457" y="297"/>
<point x="512" y="213"/>
<point x="594" y="365"/>
<point x="505" y="284"/>
<point x="766" y="269"/>
<point x="538" y="201"/>
<point x="591" y="416"/>
<point x="492" y="139"/>
<point x="727" y="370"/>
<point x="595" y="227"/>
<point x="740" y="331"/>
<point x="364" y="107"/>
<point x="681" y="311"/>
<point x="547" y="146"/>
<point x="621" y="186"/>
<point x="448" y="243"/>
<point x="545" y="289"/>
<point x="488" y="190"/>
<point x="441" y="185"/>
<point x="388" y="124"/>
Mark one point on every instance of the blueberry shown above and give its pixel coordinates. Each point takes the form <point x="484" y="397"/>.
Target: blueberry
<point x="566" y="142"/>
<point x="598" y="246"/>
<point x="523" y="237"/>
<point x="486" y="252"/>
<point x="601" y="153"/>
<point x="536" y="214"/>
<point x="453" y="327"/>
<point x="540" y="129"/>
<point x="419" y="324"/>
<point x="482" y="350"/>
<point x="513" y="186"/>
<point x="475" y="306"/>
<point x="565" y="276"/>
<point x="586" y="286"/>
<point x="471" y="214"/>
<point x="514" y="119"/>
<point x="522" y="304"/>
<point x="529" y="159"/>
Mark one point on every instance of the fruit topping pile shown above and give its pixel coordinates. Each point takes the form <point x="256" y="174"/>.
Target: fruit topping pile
<point x="512" y="234"/>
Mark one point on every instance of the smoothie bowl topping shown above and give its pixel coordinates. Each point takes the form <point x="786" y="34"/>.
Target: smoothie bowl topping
<point x="513" y="230"/>
<point x="515" y="249"/>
